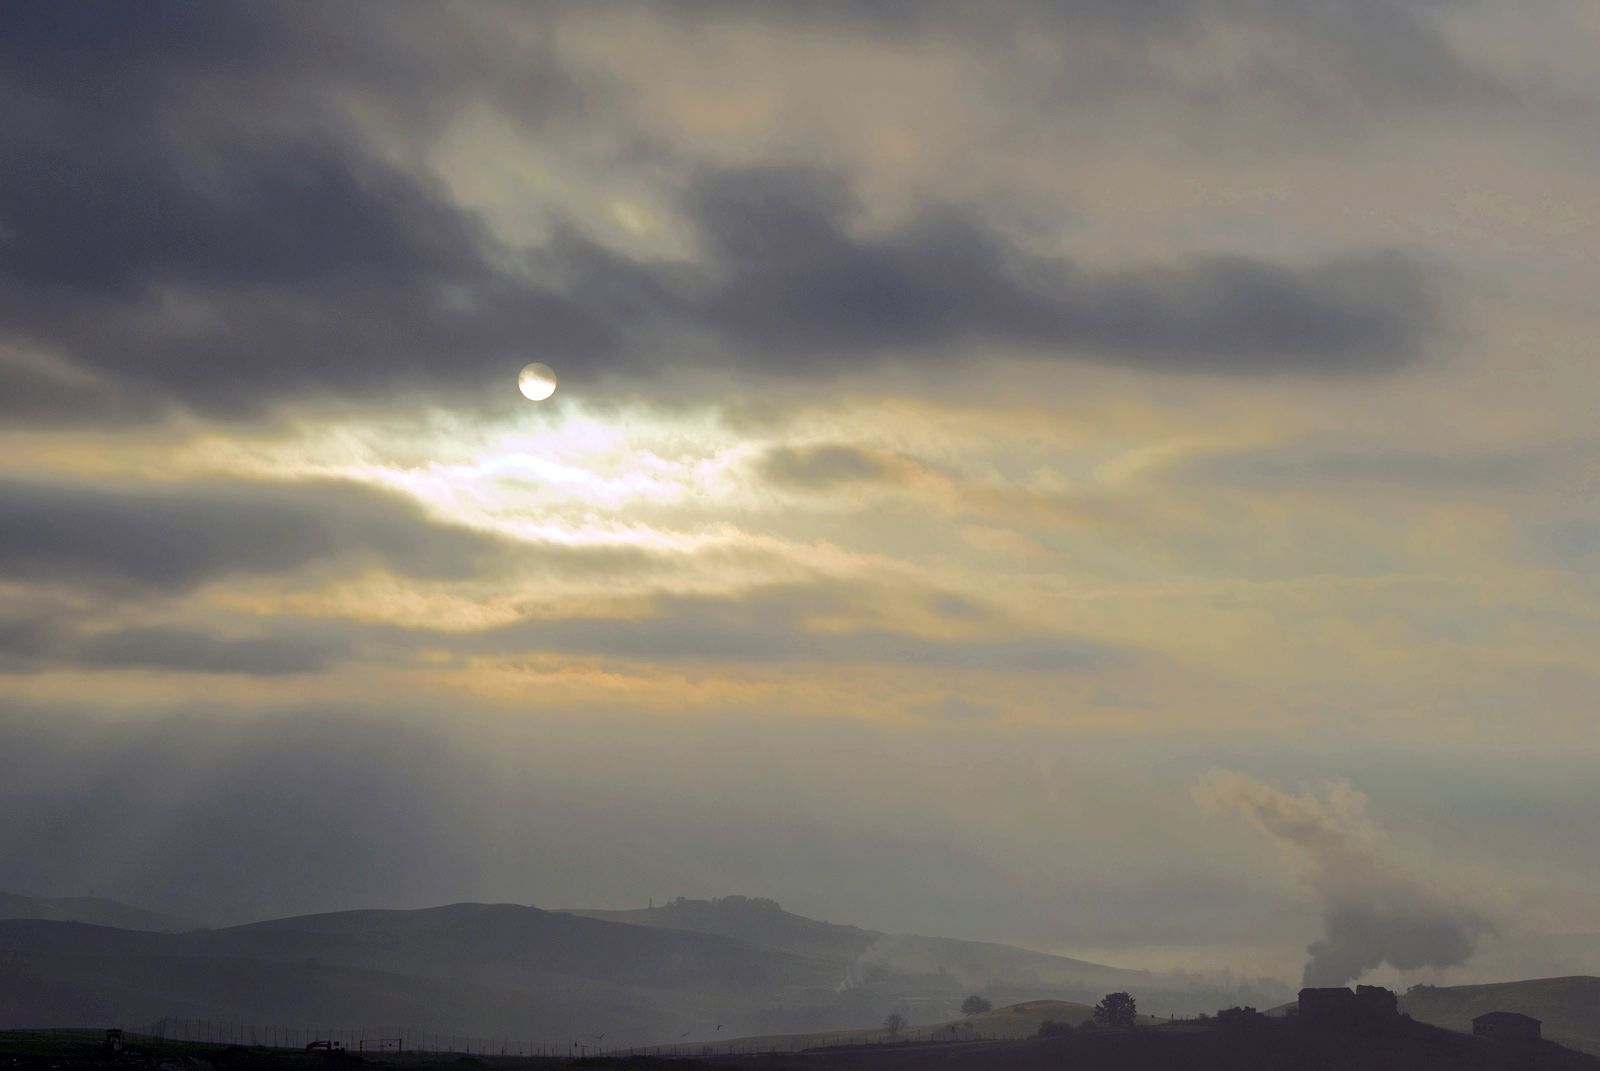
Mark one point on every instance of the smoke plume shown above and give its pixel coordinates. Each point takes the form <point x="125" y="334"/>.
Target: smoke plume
<point x="1373" y="911"/>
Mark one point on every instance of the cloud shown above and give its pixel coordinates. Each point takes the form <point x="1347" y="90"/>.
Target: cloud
<point x="795" y="283"/>
<point x="38" y="388"/>
<point x="186" y="203"/>
<point x="34" y="644"/>
<point x="1404" y="468"/>
<point x="191" y="211"/>
<point x="819" y="466"/>
<point x="1373" y="911"/>
<point x="174" y="538"/>
<point x="192" y="652"/>
<point x="773" y="627"/>
<point x="1329" y="59"/>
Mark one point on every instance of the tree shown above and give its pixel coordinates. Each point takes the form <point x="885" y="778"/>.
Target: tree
<point x="1050" y="1028"/>
<point x="975" y="1005"/>
<point x="1115" y="1009"/>
<point x="894" y="1022"/>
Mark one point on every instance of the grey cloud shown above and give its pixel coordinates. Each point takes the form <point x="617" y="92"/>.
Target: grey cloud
<point x="193" y="652"/>
<point x="1572" y="540"/>
<point x="175" y="538"/>
<point x="1413" y="469"/>
<point x="1432" y="470"/>
<point x="188" y="213"/>
<point x="35" y="644"/>
<point x="185" y="205"/>
<point x="1381" y="50"/>
<point x="37" y="388"/>
<point x="771" y="628"/>
<point x="795" y="283"/>
<point x="24" y="642"/>
<point x="761" y="628"/>
<point x="819" y="465"/>
<point x="954" y="708"/>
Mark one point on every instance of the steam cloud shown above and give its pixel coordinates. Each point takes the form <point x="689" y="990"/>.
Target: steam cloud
<point x="1372" y="912"/>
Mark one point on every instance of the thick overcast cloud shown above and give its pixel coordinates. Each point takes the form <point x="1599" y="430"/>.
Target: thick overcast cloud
<point x="973" y="420"/>
<point x="194" y="207"/>
<point x="170" y="539"/>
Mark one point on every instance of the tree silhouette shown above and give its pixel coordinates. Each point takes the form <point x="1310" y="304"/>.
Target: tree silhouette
<point x="975" y="1005"/>
<point x="1115" y="1009"/>
<point x="894" y="1022"/>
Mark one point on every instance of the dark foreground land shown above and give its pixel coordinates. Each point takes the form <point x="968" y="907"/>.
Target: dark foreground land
<point x="1283" y="1045"/>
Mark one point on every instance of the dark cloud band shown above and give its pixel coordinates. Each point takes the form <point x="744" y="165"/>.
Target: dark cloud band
<point x="174" y="539"/>
<point x="189" y="213"/>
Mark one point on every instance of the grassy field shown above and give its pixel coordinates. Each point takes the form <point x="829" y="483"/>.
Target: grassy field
<point x="1015" y="1021"/>
<point x="1568" y="1007"/>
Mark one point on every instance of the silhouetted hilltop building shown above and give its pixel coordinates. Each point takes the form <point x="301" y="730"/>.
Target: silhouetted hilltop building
<point x="1507" y="1026"/>
<point x="1369" y="1004"/>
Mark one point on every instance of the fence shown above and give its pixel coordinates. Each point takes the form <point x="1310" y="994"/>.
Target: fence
<point x="354" y="1039"/>
<point x="412" y="1040"/>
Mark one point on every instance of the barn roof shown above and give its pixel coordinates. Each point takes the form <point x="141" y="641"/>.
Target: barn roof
<point x="1503" y="1017"/>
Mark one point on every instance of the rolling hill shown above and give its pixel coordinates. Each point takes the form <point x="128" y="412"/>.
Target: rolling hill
<point x="935" y="973"/>
<point x="716" y="969"/>
<point x="1568" y="1007"/>
<point x="475" y="969"/>
<point x="91" y="909"/>
<point x="753" y="919"/>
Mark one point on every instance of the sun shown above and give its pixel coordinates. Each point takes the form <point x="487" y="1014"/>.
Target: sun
<point x="537" y="382"/>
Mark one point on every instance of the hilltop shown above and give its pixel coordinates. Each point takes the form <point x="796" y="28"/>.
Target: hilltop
<point x="934" y="973"/>
<point x="753" y="919"/>
<point x="94" y="910"/>
<point x="468" y="969"/>
<point x="688" y="970"/>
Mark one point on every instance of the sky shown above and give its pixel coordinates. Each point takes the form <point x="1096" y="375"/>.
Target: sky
<point x="1113" y="476"/>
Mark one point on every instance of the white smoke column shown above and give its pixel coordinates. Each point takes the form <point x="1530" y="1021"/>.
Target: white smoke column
<point x="1372" y="911"/>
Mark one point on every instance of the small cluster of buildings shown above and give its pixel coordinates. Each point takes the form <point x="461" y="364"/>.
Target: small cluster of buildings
<point x="1372" y="1005"/>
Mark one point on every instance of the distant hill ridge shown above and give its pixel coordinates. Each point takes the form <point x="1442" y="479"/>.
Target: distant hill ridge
<point x="511" y="970"/>
<point x="754" y="919"/>
<point x="863" y="956"/>
<point x="94" y="910"/>
<point x="502" y="970"/>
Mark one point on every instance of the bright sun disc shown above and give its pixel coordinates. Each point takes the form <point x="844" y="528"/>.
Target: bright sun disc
<point x="536" y="382"/>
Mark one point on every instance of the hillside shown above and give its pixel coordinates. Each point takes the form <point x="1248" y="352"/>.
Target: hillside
<point x="509" y="970"/>
<point x="933" y="974"/>
<point x="91" y="909"/>
<point x="1568" y="1007"/>
<point x="1013" y="1022"/>
<point x="480" y="969"/>
<point x="753" y="919"/>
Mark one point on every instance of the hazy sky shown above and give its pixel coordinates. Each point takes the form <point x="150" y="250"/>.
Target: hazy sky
<point x="1117" y="476"/>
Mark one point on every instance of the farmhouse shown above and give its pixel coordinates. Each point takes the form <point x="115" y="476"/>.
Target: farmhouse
<point x="1509" y="1026"/>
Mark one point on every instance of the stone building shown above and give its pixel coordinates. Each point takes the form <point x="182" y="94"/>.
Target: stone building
<point x="1369" y="1004"/>
<point x="1508" y="1026"/>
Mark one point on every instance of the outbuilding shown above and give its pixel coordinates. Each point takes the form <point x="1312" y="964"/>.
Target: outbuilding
<point x="1508" y="1026"/>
